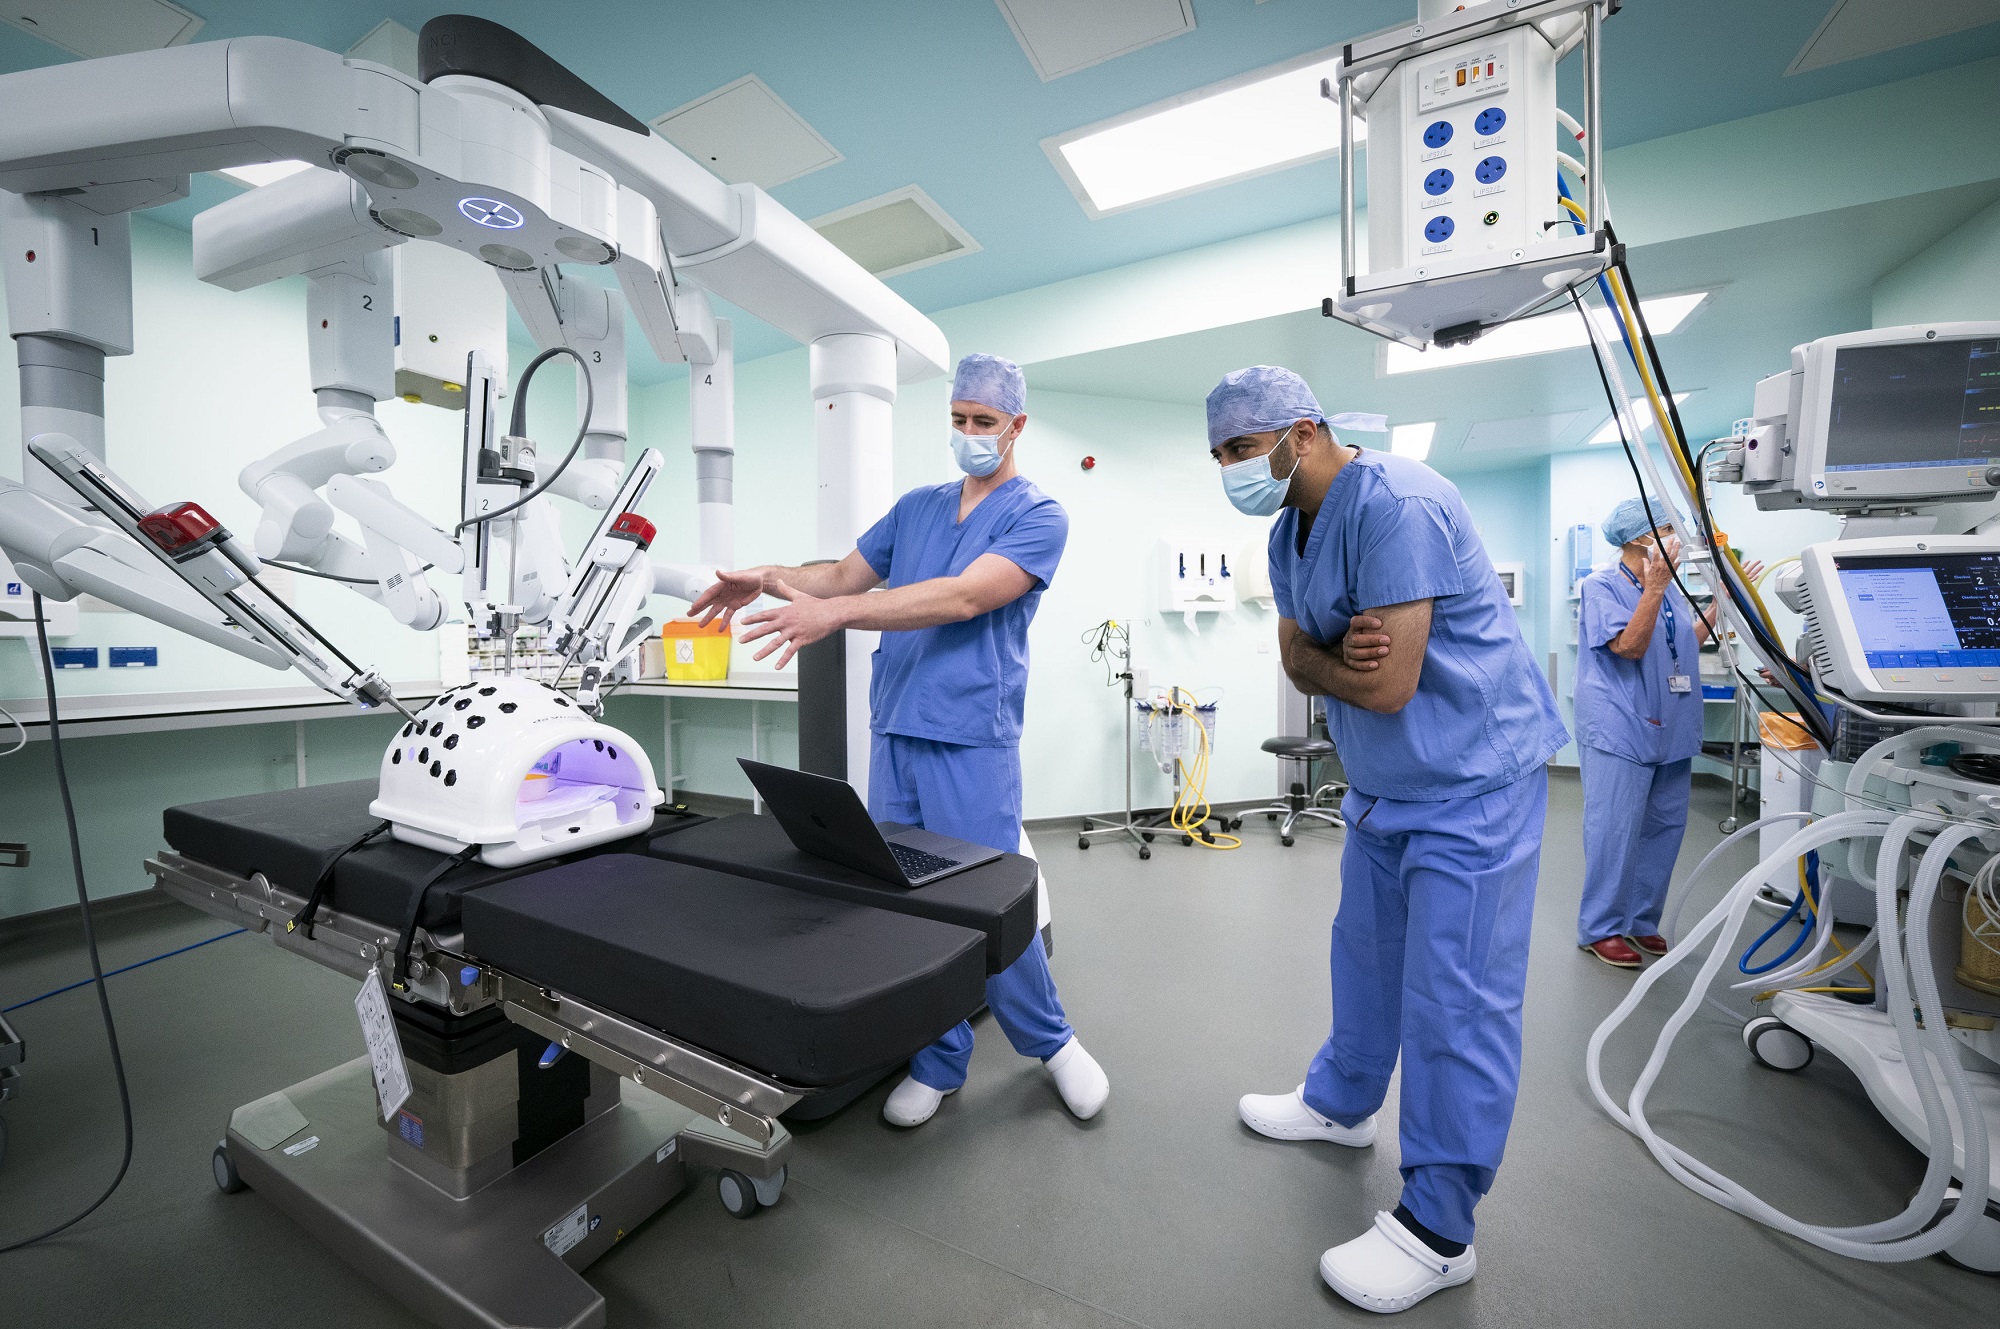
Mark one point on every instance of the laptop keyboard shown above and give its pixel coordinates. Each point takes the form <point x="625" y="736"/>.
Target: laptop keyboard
<point x="916" y="863"/>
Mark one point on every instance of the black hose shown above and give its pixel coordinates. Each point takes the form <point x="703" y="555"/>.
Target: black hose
<point x="89" y="939"/>
<point x="517" y="427"/>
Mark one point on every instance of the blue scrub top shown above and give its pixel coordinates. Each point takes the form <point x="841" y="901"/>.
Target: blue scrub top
<point x="1392" y="530"/>
<point x="1624" y="707"/>
<point x="961" y="682"/>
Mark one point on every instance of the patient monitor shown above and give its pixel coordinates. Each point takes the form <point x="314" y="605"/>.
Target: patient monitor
<point x="1906" y="618"/>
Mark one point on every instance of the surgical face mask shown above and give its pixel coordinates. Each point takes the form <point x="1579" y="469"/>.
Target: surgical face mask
<point x="1252" y="489"/>
<point x="978" y="455"/>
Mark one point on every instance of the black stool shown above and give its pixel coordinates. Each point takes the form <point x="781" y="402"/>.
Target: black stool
<point x="1299" y="804"/>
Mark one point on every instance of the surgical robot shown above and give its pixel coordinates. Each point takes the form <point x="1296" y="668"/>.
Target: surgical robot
<point x="577" y="995"/>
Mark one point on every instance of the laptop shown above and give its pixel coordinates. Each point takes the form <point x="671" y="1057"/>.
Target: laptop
<point x="825" y="817"/>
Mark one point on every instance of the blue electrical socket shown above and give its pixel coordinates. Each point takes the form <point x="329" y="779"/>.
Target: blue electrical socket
<point x="1438" y="134"/>
<point x="1438" y="181"/>
<point x="1490" y="170"/>
<point x="1489" y="122"/>
<point x="1439" y="230"/>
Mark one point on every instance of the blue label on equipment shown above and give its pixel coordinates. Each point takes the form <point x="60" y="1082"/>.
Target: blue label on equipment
<point x="16" y="588"/>
<point x="74" y="657"/>
<point x="410" y="1128"/>
<point x="135" y="657"/>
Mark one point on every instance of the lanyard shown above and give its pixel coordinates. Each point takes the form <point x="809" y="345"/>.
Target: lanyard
<point x="1667" y="608"/>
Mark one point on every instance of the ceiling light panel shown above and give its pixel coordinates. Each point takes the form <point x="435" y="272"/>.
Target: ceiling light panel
<point x="1608" y="431"/>
<point x="896" y="233"/>
<point x="1413" y="440"/>
<point x="1063" y="36"/>
<point x="1855" y="28"/>
<point x="1560" y="331"/>
<point x="92" y="28"/>
<point x="1541" y="431"/>
<point x="1248" y="126"/>
<point x="746" y="134"/>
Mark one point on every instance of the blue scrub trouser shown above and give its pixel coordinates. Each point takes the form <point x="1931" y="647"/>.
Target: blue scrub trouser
<point x="975" y="794"/>
<point x="1634" y="814"/>
<point x="1430" y="957"/>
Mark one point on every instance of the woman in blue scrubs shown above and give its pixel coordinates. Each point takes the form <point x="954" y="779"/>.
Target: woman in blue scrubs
<point x="1390" y="608"/>
<point x="1638" y="728"/>
<point x="965" y="564"/>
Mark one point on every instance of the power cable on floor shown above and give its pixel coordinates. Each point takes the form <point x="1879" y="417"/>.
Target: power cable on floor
<point x="89" y="939"/>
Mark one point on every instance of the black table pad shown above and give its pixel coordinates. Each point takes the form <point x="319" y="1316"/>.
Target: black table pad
<point x="812" y="990"/>
<point x="997" y="899"/>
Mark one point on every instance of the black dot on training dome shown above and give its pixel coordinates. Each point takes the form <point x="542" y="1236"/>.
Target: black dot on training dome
<point x="451" y="743"/>
<point x="436" y="767"/>
<point x="473" y="722"/>
<point x="613" y="752"/>
<point x="562" y="701"/>
<point x="425" y="755"/>
<point x="487" y="692"/>
<point x="396" y="757"/>
<point x="599" y="742"/>
<point x="461" y="703"/>
<point x="508" y="707"/>
<point x="574" y="829"/>
<point x="408" y="727"/>
<point x="437" y="729"/>
<point x="450" y="778"/>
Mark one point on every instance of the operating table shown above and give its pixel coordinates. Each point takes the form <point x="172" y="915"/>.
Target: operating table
<point x="577" y="1031"/>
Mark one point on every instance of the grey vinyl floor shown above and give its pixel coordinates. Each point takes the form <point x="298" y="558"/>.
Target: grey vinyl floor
<point x="1194" y="978"/>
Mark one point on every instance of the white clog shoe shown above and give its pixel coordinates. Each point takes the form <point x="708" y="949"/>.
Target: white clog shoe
<point x="1388" y="1268"/>
<point x="1079" y="1079"/>
<point x="912" y="1103"/>
<point x="1286" y="1117"/>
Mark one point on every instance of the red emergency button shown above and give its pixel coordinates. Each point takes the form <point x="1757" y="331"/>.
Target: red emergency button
<point x="631" y="526"/>
<point x="180" y="528"/>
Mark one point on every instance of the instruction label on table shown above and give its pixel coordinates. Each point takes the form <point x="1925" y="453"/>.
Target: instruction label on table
<point x="385" y="1050"/>
<point x="574" y="1227"/>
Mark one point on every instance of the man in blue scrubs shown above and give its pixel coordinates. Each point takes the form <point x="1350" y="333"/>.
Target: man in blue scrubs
<point x="965" y="564"/>
<point x="1638" y="728"/>
<point x="1390" y="608"/>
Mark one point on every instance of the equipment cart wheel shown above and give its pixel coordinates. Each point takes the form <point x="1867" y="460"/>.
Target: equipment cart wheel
<point x="739" y="1197"/>
<point x="1978" y="1250"/>
<point x="1776" y="1045"/>
<point x="1145" y="851"/>
<point x="1270" y="816"/>
<point x="227" y="1180"/>
<point x="1285" y="840"/>
<point x="1083" y="842"/>
<point x="1147" y="836"/>
<point x="1187" y="839"/>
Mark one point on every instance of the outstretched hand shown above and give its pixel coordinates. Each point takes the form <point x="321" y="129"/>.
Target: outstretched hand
<point x="732" y="591"/>
<point x="805" y="620"/>
<point x="1364" y="645"/>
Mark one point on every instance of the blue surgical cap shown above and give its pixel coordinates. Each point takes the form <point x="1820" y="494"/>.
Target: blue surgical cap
<point x="1265" y="397"/>
<point x="1634" y="518"/>
<point x="991" y="381"/>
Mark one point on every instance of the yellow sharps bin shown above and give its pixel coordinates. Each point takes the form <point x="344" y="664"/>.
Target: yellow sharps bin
<point x="695" y="653"/>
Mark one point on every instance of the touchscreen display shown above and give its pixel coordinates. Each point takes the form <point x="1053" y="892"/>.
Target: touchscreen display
<point x="1919" y="610"/>
<point x="1918" y="404"/>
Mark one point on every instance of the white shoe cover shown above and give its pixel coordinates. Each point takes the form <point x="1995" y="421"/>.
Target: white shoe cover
<point x="1286" y="1117"/>
<point x="1388" y="1268"/>
<point x="912" y="1103"/>
<point x="1079" y="1079"/>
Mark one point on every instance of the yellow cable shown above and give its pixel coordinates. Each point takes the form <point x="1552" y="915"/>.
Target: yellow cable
<point x="1840" y="956"/>
<point x="1191" y="810"/>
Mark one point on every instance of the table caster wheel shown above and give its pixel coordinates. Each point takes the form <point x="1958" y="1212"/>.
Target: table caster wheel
<point x="1285" y="840"/>
<point x="227" y="1180"/>
<point x="1776" y="1045"/>
<point x="738" y="1193"/>
<point x="1083" y="842"/>
<point x="1233" y="824"/>
<point x="1147" y="836"/>
<point x="1187" y="839"/>
<point x="1145" y="852"/>
<point x="1979" y="1249"/>
<point x="1270" y="816"/>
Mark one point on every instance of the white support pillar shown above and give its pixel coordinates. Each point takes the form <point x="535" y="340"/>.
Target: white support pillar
<point x="713" y="405"/>
<point x="854" y="397"/>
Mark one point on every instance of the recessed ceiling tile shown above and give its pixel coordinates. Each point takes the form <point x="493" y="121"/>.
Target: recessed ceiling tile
<point x="1521" y="431"/>
<point x="746" y="134"/>
<point x="1854" y="28"/>
<point x="896" y="232"/>
<point x="92" y="28"/>
<point x="1063" y="36"/>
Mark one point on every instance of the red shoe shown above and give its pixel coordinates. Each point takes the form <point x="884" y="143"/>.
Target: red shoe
<point x="1651" y="945"/>
<point x="1614" y="952"/>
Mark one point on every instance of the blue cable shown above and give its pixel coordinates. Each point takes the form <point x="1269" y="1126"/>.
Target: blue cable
<point x="1796" y="911"/>
<point x="115" y="972"/>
